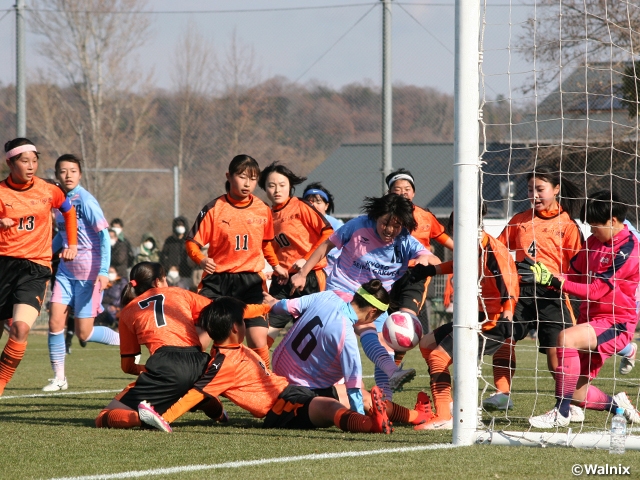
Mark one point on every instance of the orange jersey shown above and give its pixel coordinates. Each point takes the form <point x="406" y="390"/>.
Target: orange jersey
<point x="30" y="209"/>
<point x="428" y="227"/>
<point x="552" y="239"/>
<point x="235" y="232"/>
<point x="237" y="373"/>
<point x="499" y="286"/>
<point x="160" y="317"/>
<point x="299" y="229"/>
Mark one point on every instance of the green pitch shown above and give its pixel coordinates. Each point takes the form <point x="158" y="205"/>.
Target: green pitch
<point x="52" y="436"/>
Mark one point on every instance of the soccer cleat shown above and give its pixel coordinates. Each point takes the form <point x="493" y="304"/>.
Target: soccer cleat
<point x="423" y="407"/>
<point x="576" y="414"/>
<point x="551" y="419"/>
<point x="55" y="385"/>
<point x="82" y="343"/>
<point x="152" y="418"/>
<point x="400" y="377"/>
<point x="498" y="401"/>
<point x="436" y="423"/>
<point x="378" y="413"/>
<point x="627" y="363"/>
<point x="631" y="414"/>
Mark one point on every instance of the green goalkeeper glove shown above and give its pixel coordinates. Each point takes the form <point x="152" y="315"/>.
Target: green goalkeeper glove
<point x="544" y="277"/>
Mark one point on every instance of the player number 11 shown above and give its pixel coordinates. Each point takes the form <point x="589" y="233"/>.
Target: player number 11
<point x="244" y="239"/>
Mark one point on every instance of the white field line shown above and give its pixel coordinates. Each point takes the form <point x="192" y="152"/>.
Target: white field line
<point x="253" y="463"/>
<point x="57" y="394"/>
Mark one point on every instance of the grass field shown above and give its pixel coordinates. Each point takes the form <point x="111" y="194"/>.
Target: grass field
<point x="53" y="435"/>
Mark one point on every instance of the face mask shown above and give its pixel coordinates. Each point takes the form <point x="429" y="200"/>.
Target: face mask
<point x="113" y="241"/>
<point x="173" y="274"/>
<point x="118" y="230"/>
<point x="112" y="276"/>
<point x="148" y="245"/>
<point x="180" y="230"/>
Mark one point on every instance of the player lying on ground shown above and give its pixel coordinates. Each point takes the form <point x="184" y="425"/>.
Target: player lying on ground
<point x="497" y="299"/>
<point x="605" y="274"/>
<point x="298" y="230"/>
<point x="377" y="246"/>
<point x="25" y="247"/>
<point x="238" y="373"/>
<point x="163" y="319"/>
<point x="321" y="348"/>
<point x="79" y="284"/>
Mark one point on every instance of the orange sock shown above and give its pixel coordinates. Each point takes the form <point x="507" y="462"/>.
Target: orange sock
<point x="270" y="341"/>
<point x="264" y="355"/>
<point x="118" y="418"/>
<point x="9" y="361"/>
<point x="504" y="366"/>
<point x="438" y="363"/>
<point x="398" y="357"/>
<point x="350" y="421"/>
<point x="398" y="413"/>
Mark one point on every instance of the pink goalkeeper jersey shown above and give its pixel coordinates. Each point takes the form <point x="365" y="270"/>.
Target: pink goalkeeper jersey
<point x="606" y="275"/>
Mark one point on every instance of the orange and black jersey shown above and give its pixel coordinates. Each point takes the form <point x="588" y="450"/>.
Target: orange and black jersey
<point x="238" y="373"/>
<point x="428" y="227"/>
<point x="29" y="206"/>
<point x="551" y="238"/>
<point x="499" y="282"/>
<point x="160" y="317"/>
<point x="299" y="229"/>
<point x="235" y="232"/>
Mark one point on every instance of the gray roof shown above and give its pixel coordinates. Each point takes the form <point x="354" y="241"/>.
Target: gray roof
<point x="353" y="171"/>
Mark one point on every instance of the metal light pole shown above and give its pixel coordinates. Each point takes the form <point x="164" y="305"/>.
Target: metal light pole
<point x="387" y="112"/>
<point x="21" y="84"/>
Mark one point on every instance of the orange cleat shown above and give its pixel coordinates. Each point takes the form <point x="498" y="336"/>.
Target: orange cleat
<point x="436" y="423"/>
<point x="378" y="413"/>
<point x="423" y="407"/>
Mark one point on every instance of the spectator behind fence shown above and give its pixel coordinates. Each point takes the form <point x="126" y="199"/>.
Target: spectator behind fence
<point x="119" y="253"/>
<point x="118" y="226"/>
<point x="148" y="251"/>
<point x="174" y="251"/>
<point x="175" y="280"/>
<point x="111" y="300"/>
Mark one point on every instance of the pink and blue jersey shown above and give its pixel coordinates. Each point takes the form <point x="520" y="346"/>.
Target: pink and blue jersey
<point x="364" y="256"/>
<point x="321" y="348"/>
<point x="607" y="276"/>
<point x="94" y="252"/>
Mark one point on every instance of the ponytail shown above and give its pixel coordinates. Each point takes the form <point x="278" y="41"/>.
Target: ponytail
<point x="570" y="196"/>
<point x="141" y="278"/>
<point x="377" y="291"/>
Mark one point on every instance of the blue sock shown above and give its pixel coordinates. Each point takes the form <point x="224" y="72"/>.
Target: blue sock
<point x="626" y="350"/>
<point x="57" y="353"/>
<point x="382" y="381"/>
<point x="563" y="404"/>
<point x="377" y="353"/>
<point x="104" y="335"/>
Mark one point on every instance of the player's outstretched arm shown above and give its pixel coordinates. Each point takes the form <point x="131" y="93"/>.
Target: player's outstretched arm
<point x="300" y="279"/>
<point x="192" y="398"/>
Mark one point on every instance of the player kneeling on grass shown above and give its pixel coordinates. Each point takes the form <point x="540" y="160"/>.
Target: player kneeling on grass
<point x="497" y="299"/>
<point x="237" y="373"/>
<point x="321" y="348"/>
<point x="605" y="274"/>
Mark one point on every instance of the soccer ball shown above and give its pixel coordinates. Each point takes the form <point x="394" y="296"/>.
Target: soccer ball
<point x="402" y="331"/>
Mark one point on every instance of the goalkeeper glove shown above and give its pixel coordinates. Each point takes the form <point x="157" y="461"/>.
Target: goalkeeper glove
<point x="421" y="272"/>
<point x="525" y="271"/>
<point x="544" y="277"/>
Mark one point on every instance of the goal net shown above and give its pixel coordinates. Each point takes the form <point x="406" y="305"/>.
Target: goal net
<point x="570" y="70"/>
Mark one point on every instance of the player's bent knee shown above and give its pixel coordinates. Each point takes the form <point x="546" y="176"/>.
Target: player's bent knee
<point x="322" y="411"/>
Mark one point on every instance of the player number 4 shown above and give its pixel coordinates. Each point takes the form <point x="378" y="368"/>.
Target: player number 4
<point x="532" y="250"/>
<point x="158" y="308"/>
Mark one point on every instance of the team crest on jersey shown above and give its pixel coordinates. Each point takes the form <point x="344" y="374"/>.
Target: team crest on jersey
<point x="604" y="260"/>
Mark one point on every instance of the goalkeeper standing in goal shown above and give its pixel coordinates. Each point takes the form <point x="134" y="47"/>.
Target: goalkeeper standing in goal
<point x="546" y="233"/>
<point x="605" y="274"/>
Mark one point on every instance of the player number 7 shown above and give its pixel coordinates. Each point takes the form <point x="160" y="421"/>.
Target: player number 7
<point x="158" y="309"/>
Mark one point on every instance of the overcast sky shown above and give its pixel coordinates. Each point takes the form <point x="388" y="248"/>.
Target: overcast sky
<point x="290" y="42"/>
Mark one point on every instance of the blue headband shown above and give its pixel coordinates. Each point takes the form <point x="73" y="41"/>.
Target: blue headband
<point x="315" y="191"/>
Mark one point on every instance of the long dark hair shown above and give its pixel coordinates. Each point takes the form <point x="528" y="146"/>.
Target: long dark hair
<point x="282" y="170"/>
<point x="570" y="197"/>
<point x="141" y="279"/>
<point x="396" y="205"/>
<point x="241" y="163"/>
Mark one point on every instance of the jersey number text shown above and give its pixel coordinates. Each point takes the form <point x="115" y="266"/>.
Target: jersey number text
<point x="245" y="242"/>
<point x="158" y="308"/>
<point x="305" y="332"/>
<point x="27" y="223"/>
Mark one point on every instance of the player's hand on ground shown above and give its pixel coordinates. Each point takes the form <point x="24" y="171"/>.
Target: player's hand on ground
<point x="69" y="253"/>
<point x="298" y="281"/>
<point x="268" y="299"/>
<point x="281" y="273"/>
<point x="103" y="281"/>
<point x="6" y="223"/>
<point x="208" y="265"/>
<point x="298" y="264"/>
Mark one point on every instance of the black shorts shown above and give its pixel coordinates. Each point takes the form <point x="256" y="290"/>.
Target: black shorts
<point x="279" y="292"/>
<point x="21" y="282"/>
<point x="244" y="286"/>
<point x="291" y="410"/>
<point x="544" y="310"/>
<point x="329" y="392"/>
<point x="171" y="372"/>
<point x="409" y="293"/>
<point x="489" y="341"/>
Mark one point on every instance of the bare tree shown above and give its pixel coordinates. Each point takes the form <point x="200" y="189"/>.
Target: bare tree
<point x="89" y="45"/>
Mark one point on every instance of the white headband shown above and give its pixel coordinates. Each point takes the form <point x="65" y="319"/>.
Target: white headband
<point x="21" y="149"/>
<point x="400" y="176"/>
